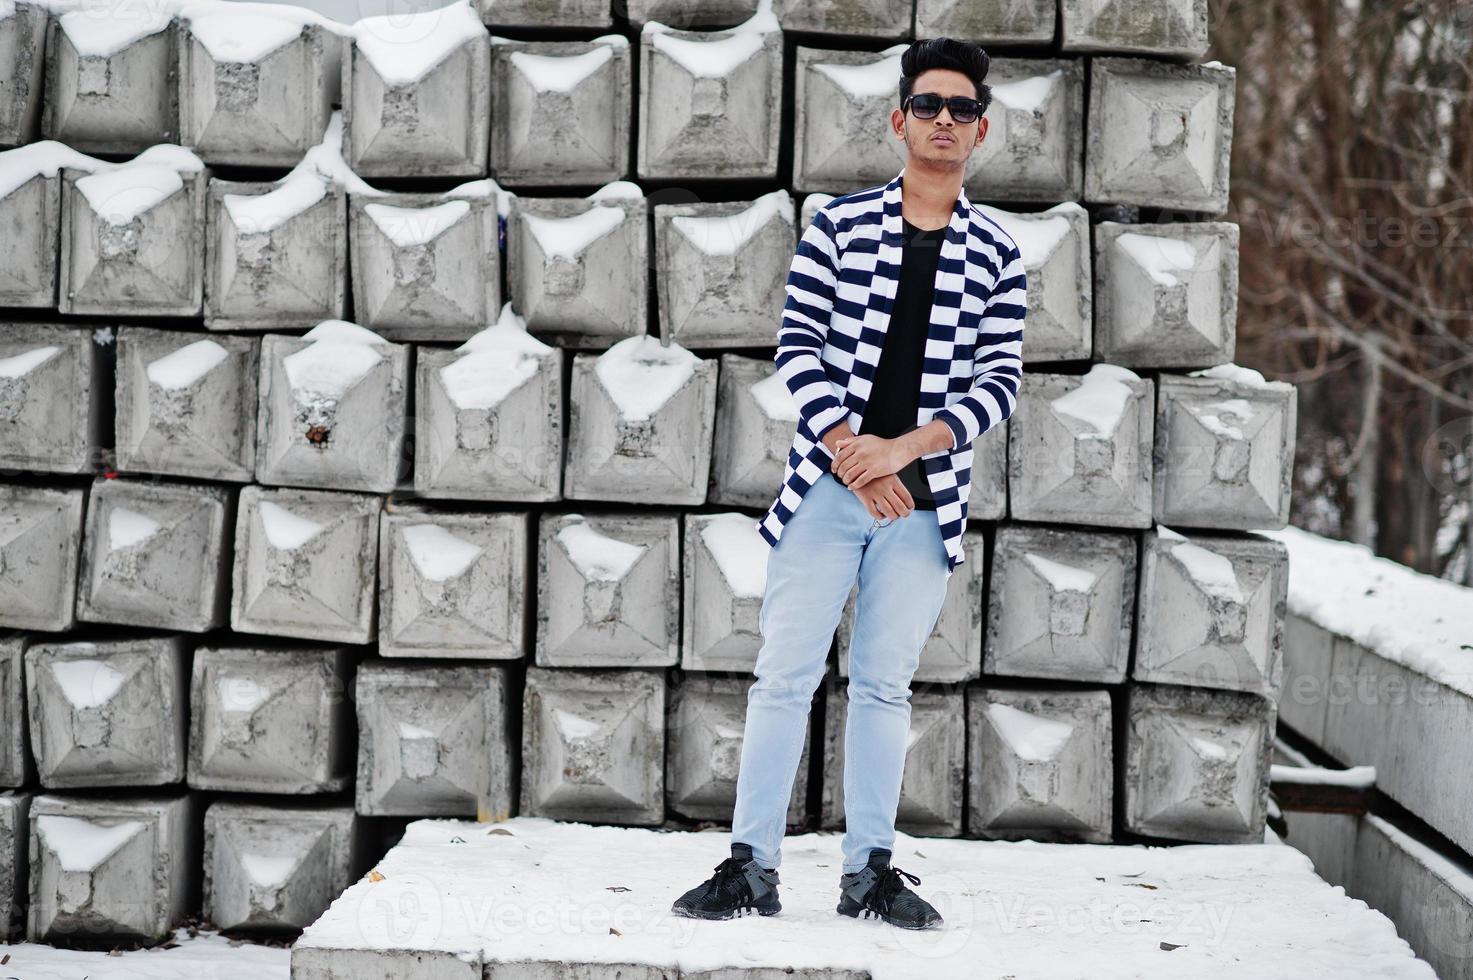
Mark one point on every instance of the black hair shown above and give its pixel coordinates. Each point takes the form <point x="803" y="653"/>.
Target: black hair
<point x="950" y="53"/>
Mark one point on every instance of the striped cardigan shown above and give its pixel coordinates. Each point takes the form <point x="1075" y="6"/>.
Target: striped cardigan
<point x="840" y="291"/>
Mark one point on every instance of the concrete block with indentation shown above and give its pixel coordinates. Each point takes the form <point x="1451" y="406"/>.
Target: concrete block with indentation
<point x="53" y="380"/>
<point x="111" y="89"/>
<point x="1165" y="28"/>
<point x="725" y="580"/>
<point x="755" y="419"/>
<point x="1055" y="245"/>
<point x="40" y="537"/>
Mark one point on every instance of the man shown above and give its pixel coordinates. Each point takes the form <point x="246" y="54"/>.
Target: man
<point x="904" y="317"/>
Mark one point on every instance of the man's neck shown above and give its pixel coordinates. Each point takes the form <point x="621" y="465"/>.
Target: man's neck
<point x="928" y="196"/>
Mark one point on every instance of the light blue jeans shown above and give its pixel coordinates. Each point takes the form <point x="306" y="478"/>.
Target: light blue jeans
<point x="901" y="567"/>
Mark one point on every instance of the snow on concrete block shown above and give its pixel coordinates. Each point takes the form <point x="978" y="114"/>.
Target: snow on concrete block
<point x="1062" y="604"/>
<point x="1165" y="28"/>
<point x="53" y="380"/>
<point x="433" y="741"/>
<point x="30" y="206"/>
<point x="1079" y="448"/>
<point x="988" y="21"/>
<point x="453" y="585"/>
<point x="122" y="868"/>
<point x="1224" y="449"/>
<point x="704" y="749"/>
<point x="931" y="788"/>
<point x="841" y="110"/>
<point x="22" y="62"/>
<point x="850" y="18"/>
<point x="186" y="405"/>
<point x="585" y="85"/>
<point x="133" y="236"/>
<point x="1197" y="763"/>
<point x="1034" y="145"/>
<point x="111" y="85"/>
<point x="710" y="101"/>
<point x="1211" y="611"/>
<point x="1166" y="295"/>
<point x="416" y="93"/>
<point x="14" y="827"/>
<point x="305" y="563"/>
<point x="332" y="409"/>
<point x="1159" y="134"/>
<point x="425" y="266"/>
<point x="16" y="766"/>
<point x="1055" y="245"/>
<point x="155" y="554"/>
<point x="488" y="418"/>
<point x="39" y="539"/>
<point x="988" y="498"/>
<point x="270" y="720"/>
<point x="578" y="268"/>
<point x="275" y="868"/>
<point x="640" y="424"/>
<point x="110" y="713"/>
<point x="755" y="418"/>
<point x="257" y="84"/>
<point x="608" y="590"/>
<point x="685" y="14"/>
<point x="546" y="13"/>
<point x="593" y="745"/>
<point x="720" y="269"/>
<point x="725" y="580"/>
<point x="1042" y="766"/>
<point x="953" y="651"/>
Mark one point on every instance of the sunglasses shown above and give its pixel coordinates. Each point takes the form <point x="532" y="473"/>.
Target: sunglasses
<point x="927" y="105"/>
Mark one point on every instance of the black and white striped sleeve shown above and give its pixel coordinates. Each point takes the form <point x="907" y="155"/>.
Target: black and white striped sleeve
<point x="997" y="359"/>
<point x="805" y="324"/>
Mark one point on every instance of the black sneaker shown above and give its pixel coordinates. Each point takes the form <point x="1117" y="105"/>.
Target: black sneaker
<point x="876" y="892"/>
<point x="739" y="886"/>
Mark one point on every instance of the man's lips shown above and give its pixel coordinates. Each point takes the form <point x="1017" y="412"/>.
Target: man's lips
<point x="943" y="138"/>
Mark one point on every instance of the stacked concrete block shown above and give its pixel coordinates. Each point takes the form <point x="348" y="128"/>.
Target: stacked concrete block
<point x="305" y="563"/>
<point x="755" y="418"/>
<point x="433" y="741"/>
<point x="953" y="651"/>
<point x="720" y="269"/>
<point x="1197" y="763"/>
<point x="1159" y="134"/>
<point x="332" y="409"/>
<point x="275" y="868"/>
<point x="1041" y="764"/>
<point x="1062" y="604"/>
<point x="710" y="101"/>
<point x="584" y="85"/>
<point x="40" y="537"/>
<point x="425" y="266"/>
<point x="110" y="84"/>
<point x="53" y="382"/>
<point x="14" y="827"/>
<point x="935" y="761"/>
<point x="416" y="94"/>
<point x="278" y="253"/>
<point x="578" y="268"/>
<point x="110" y="713"/>
<point x="725" y="580"/>
<point x="988" y="498"/>
<point x="133" y="236"/>
<point x="1165" y="28"/>
<point x="1166" y="295"/>
<point x="453" y="584"/>
<point x="256" y="86"/>
<point x="156" y="554"/>
<point x="488" y="420"/>
<point x="1211" y="611"/>
<point x="1079" y="448"/>
<point x="1056" y="250"/>
<point x="851" y="18"/>
<point x="546" y="13"/>
<point x="1034" y="147"/>
<point x="270" y="720"/>
<point x="1224" y="449"/>
<point x="30" y="209"/>
<point x="186" y="405"/>
<point x="122" y="868"/>
<point x="608" y="590"/>
<point x="22" y="65"/>
<point x="703" y="750"/>
<point x="16" y="765"/>
<point x="640" y="424"/>
<point x="841" y="118"/>
<point x="593" y="745"/>
<point x="691" y="13"/>
<point x="988" y="21"/>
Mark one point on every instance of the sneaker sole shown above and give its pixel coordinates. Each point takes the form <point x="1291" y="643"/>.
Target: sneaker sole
<point x="866" y="913"/>
<point x="732" y="914"/>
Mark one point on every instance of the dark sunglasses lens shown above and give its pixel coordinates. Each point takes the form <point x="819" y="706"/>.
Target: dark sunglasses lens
<point x="964" y="111"/>
<point x="926" y="106"/>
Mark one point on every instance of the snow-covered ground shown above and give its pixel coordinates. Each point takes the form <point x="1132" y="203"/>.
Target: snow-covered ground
<point x="207" y="956"/>
<point x="541" y="890"/>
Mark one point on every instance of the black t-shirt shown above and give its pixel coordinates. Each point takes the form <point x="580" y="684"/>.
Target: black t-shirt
<point x="896" y="392"/>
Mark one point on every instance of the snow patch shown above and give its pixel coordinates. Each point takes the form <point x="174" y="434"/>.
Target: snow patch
<point x="416" y="226"/>
<point x="1165" y="260"/>
<point x="126" y="528"/>
<point x="286" y="531"/>
<point x="82" y="845"/>
<point x="641" y="374"/>
<point x="1031" y="736"/>
<point x="403" y="48"/>
<point x="87" y="683"/>
<point x="599" y="557"/>
<point x="740" y="552"/>
<point x="437" y="554"/>
<point x="726" y="234"/>
<point x="1100" y="398"/>
<point x="1061" y="577"/>
<point x="22" y="364"/>
<point x="185" y="366"/>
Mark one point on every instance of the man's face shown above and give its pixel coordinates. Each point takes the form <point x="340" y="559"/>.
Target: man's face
<point x="940" y="140"/>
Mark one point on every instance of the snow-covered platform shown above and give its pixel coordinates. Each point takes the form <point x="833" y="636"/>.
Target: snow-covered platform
<point x="205" y="956"/>
<point x="532" y="897"/>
